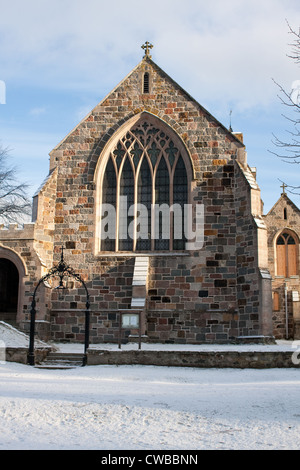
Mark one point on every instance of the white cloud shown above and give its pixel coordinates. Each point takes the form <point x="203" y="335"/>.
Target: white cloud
<point x="37" y="111"/>
<point x="224" y="53"/>
<point x="226" y="50"/>
<point x="2" y="92"/>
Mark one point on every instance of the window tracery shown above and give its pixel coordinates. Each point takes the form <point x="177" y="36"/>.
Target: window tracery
<point x="147" y="167"/>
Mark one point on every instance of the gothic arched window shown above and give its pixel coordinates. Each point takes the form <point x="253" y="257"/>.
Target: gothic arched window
<point x="146" y="181"/>
<point x="286" y="255"/>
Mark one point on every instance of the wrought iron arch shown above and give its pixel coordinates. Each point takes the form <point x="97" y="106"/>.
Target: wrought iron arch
<point x="61" y="270"/>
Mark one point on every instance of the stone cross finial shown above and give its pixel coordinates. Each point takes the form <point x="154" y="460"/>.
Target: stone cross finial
<point x="283" y="186"/>
<point x="147" y="46"/>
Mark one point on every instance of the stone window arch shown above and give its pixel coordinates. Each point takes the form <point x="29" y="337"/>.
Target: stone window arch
<point x="287" y="247"/>
<point x="147" y="172"/>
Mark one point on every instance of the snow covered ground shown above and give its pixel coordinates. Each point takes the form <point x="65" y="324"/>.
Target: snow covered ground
<point x="147" y="407"/>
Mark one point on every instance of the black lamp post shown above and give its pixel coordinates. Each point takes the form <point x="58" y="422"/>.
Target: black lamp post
<point x="61" y="270"/>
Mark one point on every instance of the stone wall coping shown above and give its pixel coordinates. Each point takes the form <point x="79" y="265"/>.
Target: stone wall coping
<point x="207" y="359"/>
<point x="132" y="254"/>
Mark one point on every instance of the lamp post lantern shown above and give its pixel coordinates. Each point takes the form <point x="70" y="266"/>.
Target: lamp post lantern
<point x="61" y="270"/>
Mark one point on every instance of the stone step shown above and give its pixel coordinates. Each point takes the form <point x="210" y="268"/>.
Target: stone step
<point x="55" y="366"/>
<point x="65" y="355"/>
<point x="59" y="360"/>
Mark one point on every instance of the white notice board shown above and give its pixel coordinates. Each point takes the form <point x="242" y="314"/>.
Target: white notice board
<point x="130" y="320"/>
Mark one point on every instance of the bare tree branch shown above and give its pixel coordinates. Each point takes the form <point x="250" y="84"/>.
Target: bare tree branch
<point x="295" y="45"/>
<point x="14" y="202"/>
<point x="290" y="148"/>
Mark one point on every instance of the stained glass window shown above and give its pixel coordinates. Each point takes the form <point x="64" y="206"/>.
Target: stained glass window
<point x="146" y="167"/>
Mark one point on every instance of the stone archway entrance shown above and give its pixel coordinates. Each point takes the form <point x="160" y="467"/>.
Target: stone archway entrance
<point x="9" y="290"/>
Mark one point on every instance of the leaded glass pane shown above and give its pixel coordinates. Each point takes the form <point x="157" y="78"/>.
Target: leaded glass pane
<point x="162" y="196"/>
<point x="180" y="198"/>
<point x="144" y="214"/>
<point x="109" y="191"/>
<point x="172" y="152"/>
<point x="280" y="241"/>
<point x="126" y="200"/>
<point x="291" y="241"/>
<point x="153" y="153"/>
<point x="136" y="153"/>
<point x="119" y="153"/>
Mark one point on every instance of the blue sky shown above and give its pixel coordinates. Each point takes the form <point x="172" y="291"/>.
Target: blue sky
<point x="58" y="59"/>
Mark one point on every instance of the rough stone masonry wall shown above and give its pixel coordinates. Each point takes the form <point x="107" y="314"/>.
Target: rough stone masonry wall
<point x="33" y="245"/>
<point x="191" y="298"/>
<point x="248" y="277"/>
<point x="18" y="245"/>
<point x="44" y="208"/>
<point x="110" y="290"/>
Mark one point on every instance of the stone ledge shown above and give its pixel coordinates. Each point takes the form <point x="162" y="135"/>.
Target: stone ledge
<point x="210" y="359"/>
<point x="255" y="340"/>
<point x="20" y="354"/>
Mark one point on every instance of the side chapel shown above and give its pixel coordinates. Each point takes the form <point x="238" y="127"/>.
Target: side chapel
<point x="147" y="143"/>
<point x="283" y="226"/>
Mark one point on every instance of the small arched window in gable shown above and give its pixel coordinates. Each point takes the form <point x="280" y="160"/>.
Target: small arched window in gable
<point x="146" y="83"/>
<point x="286" y="254"/>
<point x="285" y="213"/>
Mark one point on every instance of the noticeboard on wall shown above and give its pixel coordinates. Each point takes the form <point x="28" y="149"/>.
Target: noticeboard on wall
<point x="130" y="320"/>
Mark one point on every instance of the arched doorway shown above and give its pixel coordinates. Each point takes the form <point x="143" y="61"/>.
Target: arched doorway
<point x="9" y="290"/>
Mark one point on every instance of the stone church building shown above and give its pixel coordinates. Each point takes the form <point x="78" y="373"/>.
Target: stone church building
<point x="159" y="212"/>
